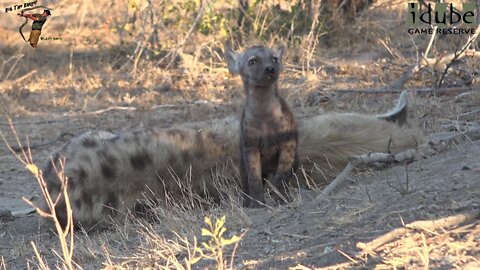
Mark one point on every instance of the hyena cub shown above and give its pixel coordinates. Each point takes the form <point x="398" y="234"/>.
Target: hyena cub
<point x="269" y="136"/>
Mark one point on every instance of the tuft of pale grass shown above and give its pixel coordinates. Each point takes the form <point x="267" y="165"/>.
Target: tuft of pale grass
<point x="65" y="234"/>
<point x="3" y="264"/>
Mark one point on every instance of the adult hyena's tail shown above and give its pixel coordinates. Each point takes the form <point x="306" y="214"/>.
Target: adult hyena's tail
<point x="399" y="113"/>
<point x="328" y="141"/>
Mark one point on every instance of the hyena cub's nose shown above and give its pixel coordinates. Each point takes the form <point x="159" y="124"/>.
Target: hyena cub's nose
<point x="270" y="69"/>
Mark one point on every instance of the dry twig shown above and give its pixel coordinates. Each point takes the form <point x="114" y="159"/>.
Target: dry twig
<point x="366" y="159"/>
<point x="438" y="64"/>
<point x="429" y="225"/>
<point x="421" y="62"/>
<point x="450" y="59"/>
<point x="437" y="91"/>
<point x="38" y="145"/>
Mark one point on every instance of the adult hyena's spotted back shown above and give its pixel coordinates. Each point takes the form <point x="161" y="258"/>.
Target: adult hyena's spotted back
<point x="107" y="173"/>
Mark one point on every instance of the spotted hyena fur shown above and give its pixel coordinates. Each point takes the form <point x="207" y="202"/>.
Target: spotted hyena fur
<point x="107" y="173"/>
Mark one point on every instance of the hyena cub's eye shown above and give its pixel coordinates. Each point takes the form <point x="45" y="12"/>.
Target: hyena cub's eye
<point x="275" y="59"/>
<point x="252" y="61"/>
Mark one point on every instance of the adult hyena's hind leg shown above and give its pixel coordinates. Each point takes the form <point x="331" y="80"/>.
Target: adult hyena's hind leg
<point x="399" y="113"/>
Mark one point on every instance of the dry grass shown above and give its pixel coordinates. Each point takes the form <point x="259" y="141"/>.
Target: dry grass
<point x="93" y="71"/>
<point x="432" y="249"/>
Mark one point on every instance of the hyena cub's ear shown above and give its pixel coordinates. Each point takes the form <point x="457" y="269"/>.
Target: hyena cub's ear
<point x="232" y="61"/>
<point x="279" y="52"/>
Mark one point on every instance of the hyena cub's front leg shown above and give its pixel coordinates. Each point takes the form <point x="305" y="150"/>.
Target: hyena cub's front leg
<point x="287" y="164"/>
<point x="251" y="174"/>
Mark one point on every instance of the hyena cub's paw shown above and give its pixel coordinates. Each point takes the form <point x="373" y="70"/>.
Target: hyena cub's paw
<point x="252" y="202"/>
<point x="256" y="204"/>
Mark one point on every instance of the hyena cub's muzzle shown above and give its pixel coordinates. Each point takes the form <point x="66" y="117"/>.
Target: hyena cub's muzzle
<point x="271" y="73"/>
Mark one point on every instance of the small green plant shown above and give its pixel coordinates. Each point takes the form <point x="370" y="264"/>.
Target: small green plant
<point x="214" y="247"/>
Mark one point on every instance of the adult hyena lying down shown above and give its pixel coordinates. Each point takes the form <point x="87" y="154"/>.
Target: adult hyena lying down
<point x="107" y="173"/>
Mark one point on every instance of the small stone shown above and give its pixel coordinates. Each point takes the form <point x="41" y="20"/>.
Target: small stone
<point x="6" y="215"/>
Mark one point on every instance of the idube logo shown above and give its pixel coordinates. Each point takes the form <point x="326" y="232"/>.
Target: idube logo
<point x="446" y="17"/>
